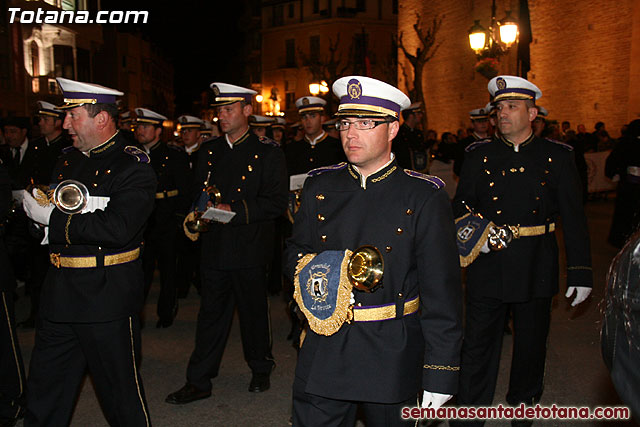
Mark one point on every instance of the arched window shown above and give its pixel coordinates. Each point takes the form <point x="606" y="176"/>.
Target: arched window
<point x="35" y="59"/>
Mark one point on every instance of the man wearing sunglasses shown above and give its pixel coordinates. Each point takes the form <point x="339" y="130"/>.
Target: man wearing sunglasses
<point x="404" y="338"/>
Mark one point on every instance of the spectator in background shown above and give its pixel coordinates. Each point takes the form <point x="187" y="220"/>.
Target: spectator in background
<point x="552" y="132"/>
<point x="431" y="138"/>
<point x="585" y="139"/>
<point x="624" y="162"/>
<point x="602" y="139"/>
<point x="409" y="145"/>
<point x="539" y="124"/>
<point x="581" y="163"/>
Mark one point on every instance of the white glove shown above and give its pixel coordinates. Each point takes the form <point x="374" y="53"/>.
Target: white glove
<point x="582" y="292"/>
<point x="352" y="299"/>
<point x="434" y="400"/>
<point x="485" y="248"/>
<point x="95" y="203"/>
<point x="36" y="212"/>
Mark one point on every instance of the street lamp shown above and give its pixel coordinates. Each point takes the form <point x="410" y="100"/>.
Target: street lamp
<point x="477" y="36"/>
<point x="508" y="30"/>
<point x="498" y="39"/>
<point x="317" y="88"/>
<point x="314" y="88"/>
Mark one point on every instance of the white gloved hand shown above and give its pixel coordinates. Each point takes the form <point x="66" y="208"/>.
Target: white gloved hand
<point x="485" y="248"/>
<point x="32" y="208"/>
<point x="95" y="203"/>
<point x="352" y="299"/>
<point x="582" y="292"/>
<point x="434" y="400"/>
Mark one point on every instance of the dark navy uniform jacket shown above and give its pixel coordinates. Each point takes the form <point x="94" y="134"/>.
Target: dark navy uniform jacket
<point x="172" y="169"/>
<point x="252" y="178"/>
<point x="51" y="152"/>
<point x="100" y="294"/>
<point x="31" y="168"/>
<point x="409" y="219"/>
<point x="409" y="148"/>
<point x="535" y="185"/>
<point x="460" y="150"/>
<point x="303" y="157"/>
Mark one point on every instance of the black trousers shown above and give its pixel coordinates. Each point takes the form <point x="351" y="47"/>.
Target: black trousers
<point x="220" y="288"/>
<point x="162" y="250"/>
<point x="62" y="353"/>
<point x="39" y="263"/>
<point x="484" y="330"/>
<point x="188" y="264"/>
<point x="310" y="410"/>
<point x="12" y="379"/>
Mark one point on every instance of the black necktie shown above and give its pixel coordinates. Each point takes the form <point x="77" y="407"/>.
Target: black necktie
<point x="16" y="156"/>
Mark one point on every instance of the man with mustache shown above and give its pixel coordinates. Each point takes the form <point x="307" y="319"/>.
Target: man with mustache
<point x="93" y="292"/>
<point x="519" y="180"/>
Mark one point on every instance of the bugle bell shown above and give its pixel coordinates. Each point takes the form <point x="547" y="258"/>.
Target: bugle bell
<point x="71" y="196"/>
<point x="366" y="268"/>
<point x="499" y="238"/>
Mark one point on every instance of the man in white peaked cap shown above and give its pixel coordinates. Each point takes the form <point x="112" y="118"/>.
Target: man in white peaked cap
<point x="94" y="290"/>
<point x="523" y="184"/>
<point x="402" y="340"/>
<point x="250" y="174"/>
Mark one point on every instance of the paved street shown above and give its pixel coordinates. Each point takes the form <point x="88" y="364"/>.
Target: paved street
<point x="575" y="373"/>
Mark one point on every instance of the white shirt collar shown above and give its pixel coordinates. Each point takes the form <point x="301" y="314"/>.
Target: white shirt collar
<point x="193" y="148"/>
<point x="226" y="137"/>
<point x="315" y="140"/>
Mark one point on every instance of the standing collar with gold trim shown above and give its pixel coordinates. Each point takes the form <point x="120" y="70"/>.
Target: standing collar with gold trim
<point x="321" y="137"/>
<point x="190" y="150"/>
<point x="54" y="140"/>
<point x="104" y="146"/>
<point x="478" y="137"/>
<point x="238" y="141"/>
<point x="516" y="147"/>
<point x="380" y="175"/>
<point x="154" y="146"/>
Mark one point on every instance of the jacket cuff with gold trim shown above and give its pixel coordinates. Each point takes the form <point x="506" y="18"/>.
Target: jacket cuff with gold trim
<point x="60" y="228"/>
<point x="440" y="378"/>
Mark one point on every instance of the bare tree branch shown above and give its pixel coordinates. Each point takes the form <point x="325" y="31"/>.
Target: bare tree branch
<point x="424" y="53"/>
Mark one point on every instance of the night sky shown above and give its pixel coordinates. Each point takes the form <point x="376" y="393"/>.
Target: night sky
<point x="200" y="38"/>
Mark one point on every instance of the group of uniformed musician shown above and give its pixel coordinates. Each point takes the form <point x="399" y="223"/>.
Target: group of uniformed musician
<point x="372" y="254"/>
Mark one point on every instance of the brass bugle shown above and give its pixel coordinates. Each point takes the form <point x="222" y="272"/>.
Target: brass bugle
<point x="197" y="224"/>
<point x="71" y="196"/>
<point x="365" y="269"/>
<point x="499" y="238"/>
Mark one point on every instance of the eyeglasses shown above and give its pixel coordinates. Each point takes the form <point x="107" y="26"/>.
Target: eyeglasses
<point x="363" y="124"/>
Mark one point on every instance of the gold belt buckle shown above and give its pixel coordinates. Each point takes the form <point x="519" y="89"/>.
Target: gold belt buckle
<point x="515" y="230"/>
<point x="55" y="259"/>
